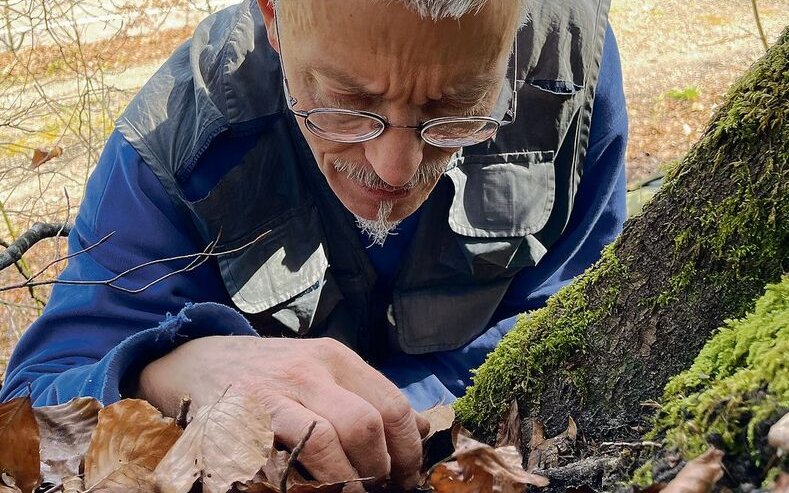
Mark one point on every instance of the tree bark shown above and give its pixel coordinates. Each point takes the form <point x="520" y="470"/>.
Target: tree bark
<point x="700" y="253"/>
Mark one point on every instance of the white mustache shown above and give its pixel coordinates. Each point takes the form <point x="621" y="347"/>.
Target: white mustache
<point x="427" y="173"/>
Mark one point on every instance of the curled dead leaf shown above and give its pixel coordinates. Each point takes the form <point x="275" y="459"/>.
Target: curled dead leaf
<point x="698" y="475"/>
<point x="19" y="453"/>
<point x="544" y="452"/>
<point x="479" y="467"/>
<point x="778" y="435"/>
<point x="226" y="442"/>
<point x="130" y="439"/>
<point x="440" y="418"/>
<point x="65" y="436"/>
<point x="41" y="156"/>
<point x="8" y="484"/>
<point x="510" y="428"/>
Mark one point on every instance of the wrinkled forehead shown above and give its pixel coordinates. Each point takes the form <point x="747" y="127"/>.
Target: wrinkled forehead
<point x="376" y="33"/>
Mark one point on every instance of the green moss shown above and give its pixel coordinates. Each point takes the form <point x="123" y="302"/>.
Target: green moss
<point x="739" y="380"/>
<point x="643" y="477"/>
<point x="688" y="94"/>
<point x="770" y="478"/>
<point x="740" y="233"/>
<point x="538" y="342"/>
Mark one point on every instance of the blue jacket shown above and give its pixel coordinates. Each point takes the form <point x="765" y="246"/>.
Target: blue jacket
<point x="93" y="340"/>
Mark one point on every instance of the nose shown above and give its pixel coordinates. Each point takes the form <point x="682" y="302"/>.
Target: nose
<point x="395" y="155"/>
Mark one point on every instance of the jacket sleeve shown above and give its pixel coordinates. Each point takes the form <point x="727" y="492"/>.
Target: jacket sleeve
<point x="92" y="340"/>
<point x="597" y="218"/>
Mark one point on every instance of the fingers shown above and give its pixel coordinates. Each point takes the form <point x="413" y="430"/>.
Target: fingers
<point x="358" y="425"/>
<point x="400" y="422"/>
<point x="423" y="424"/>
<point x="322" y="454"/>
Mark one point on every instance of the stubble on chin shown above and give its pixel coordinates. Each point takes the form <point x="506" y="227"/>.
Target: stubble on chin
<point x="378" y="229"/>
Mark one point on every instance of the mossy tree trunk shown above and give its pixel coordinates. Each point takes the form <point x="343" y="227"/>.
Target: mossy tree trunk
<point x="701" y="252"/>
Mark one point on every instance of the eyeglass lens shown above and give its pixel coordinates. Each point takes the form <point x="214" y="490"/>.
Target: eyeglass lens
<point x="342" y="126"/>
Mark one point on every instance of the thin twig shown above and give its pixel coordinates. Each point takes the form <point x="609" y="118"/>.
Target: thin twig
<point x="183" y="411"/>
<point x="65" y="223"/>
<point x="759" y="25"/>
<point x="26" y="240"/>
<point x="643" y="444"/>
<point x="283" y="483"/>
<point x="198" y="260"/>
<point x="24" y="273"/>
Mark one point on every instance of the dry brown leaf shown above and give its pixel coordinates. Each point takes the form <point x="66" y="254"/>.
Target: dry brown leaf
<point x="19" y="456"/>
<point x="440" y="418"/>
<point x="510" y="428"/>
<point x="130" y="439"/>
<point x="480" y="467"/>
<point x="41" y="156"/>
<point x="448" y="478"/>
<point x="65" y="436"/>
<point x="698" y="475"/>
<point x="8" y="484"/>
<point x="778" y="436"/>
<point x="544" y="452"/>
<point x="227" y="442"/>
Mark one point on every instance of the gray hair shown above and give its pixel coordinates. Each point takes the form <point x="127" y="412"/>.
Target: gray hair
<point x="446" y="9"/>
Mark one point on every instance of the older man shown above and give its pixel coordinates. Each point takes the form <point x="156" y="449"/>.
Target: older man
<point x="391" y="175"/>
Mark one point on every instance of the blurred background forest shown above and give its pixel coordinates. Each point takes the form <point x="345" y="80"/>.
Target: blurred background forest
<point x="69" y="67"/>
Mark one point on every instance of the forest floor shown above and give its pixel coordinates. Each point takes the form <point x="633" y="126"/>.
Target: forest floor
<point x="679" y="58"/>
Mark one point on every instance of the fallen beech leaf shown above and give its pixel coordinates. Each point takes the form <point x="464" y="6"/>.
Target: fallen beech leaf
<point x="130" y="439"/>
<point x="41" y="156"/>
<point x="448" y="478"/>
<point x="65" y="436"/>
<point x="510" y="428"/>
<point x="480" y="467"/>
<point x="309" y="487"/>
<point x="698" y="475"/>
<point x="19" y="456"/>
<point x="778" y="436"/>
<point x="227" y="442"/>
<point x="8" y="484"/>
<point x="440" y="418"/>
<point x="544" y="452"/>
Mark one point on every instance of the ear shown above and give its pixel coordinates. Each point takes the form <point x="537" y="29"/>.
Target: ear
<point x="267" y="9"/>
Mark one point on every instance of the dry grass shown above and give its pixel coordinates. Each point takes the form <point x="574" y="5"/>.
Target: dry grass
<point x="679" y="58"/>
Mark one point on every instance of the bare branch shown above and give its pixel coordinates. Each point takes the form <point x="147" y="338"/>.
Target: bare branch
<point x="197" y="259"/>
<point x="36" y="233"/>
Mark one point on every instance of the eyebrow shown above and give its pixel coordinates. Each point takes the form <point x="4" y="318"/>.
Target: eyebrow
<point x="469" y="91"/>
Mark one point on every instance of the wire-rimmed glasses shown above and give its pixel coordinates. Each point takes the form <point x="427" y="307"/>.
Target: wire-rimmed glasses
<point x="355" y="126"/>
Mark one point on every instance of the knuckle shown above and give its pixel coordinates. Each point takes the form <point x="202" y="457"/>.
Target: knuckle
<point x="369" y="424"/>
<point x="331" y="347"/>
<point x="297" y="375"/>
<point x="398" y="411"/>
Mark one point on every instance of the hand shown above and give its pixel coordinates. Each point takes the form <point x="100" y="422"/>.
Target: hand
<point x="365" y="426"/>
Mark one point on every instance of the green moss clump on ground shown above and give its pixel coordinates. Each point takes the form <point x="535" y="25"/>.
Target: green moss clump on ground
<point x="739" y="380"/>
<point x="538" y="341"/>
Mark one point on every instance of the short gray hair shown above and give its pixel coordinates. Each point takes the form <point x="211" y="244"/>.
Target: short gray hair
<point x="446" y="9"/>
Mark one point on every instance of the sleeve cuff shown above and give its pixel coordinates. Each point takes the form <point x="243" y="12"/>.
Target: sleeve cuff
<point x="125" y="362"/>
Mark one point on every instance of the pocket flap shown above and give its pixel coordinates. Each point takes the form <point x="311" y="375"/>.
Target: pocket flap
<point x="502" y="195"/>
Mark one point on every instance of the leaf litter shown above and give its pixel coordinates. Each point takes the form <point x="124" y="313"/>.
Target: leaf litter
<point x="229" y="446"/>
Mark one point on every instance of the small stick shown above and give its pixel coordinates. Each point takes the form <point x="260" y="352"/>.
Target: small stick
<point x="283" y="483"/>
<point x="632" y="444"/>
<point x="183" y="411"/>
